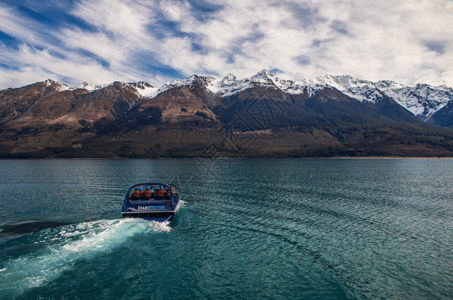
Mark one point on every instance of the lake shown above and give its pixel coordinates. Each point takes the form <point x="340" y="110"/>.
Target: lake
<point x="246" y="229"/>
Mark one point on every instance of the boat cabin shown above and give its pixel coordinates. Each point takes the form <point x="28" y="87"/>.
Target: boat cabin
<point x="147" y="192"/>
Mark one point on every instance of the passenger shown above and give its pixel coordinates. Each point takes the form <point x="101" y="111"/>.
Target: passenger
<point x="136" y="195"/>
<point x="161" y="191"/>
<point x="143" y="195"/>
<point x="137" y="192"/>
<point x="148" y="192"/>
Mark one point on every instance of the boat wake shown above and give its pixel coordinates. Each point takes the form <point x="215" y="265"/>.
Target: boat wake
<point x="64" y="246"/>
<point x="180" y="205"/>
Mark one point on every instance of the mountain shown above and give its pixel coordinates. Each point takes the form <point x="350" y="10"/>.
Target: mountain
<point x="259" y="116"/>
<point x="50" y="102"/>
<point x="421" y="100"/>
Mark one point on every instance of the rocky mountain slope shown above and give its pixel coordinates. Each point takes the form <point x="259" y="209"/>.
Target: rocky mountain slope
<point x="260" y="116"/>
<point x="421" y="100"/>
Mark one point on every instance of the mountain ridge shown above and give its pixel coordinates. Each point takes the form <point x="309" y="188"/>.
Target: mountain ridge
<point x="259" y="116"/>
<point x="422" y="100"/>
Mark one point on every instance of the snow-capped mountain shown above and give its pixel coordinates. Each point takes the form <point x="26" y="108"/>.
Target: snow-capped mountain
<point x="328" y="115"/>
<point x="142" y="88"/>
<point x="422" y="100"/>
<point x="58" y="86"/>
<point x="88" y="87"/>
<point x="206" y="81"/>
<point x="230" y="85"/>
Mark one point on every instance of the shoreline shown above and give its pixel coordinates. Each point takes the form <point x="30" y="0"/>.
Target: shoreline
<point x="225" y="158"/>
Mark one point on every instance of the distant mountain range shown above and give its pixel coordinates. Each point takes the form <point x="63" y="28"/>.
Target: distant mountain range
<point x="202" y="116"/>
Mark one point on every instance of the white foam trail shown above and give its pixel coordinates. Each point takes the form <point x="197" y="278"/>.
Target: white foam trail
<point x="159" y="226"/>
<point x="180" y="205"/>
<point x="79" y="242"/>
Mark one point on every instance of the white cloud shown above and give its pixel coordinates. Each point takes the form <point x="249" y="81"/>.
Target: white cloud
<point x="122" y="30"/>
<point x="175" y="11"/>
<point x="123" y="18"/>
<point x="406" y="41"/>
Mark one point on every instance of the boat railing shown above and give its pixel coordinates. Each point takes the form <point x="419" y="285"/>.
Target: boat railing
<point x="148" y="201"/>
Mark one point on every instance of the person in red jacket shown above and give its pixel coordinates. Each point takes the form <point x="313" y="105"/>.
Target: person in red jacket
<point x="161" y="191"/>
<point x="148" y="191"/>
<point x="137" y="192"/>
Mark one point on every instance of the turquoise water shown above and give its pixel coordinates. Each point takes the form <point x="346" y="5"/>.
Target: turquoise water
<point x="246" y="229"/>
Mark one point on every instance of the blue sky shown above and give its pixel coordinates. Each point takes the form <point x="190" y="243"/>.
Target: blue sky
<point x="101" y="41"/>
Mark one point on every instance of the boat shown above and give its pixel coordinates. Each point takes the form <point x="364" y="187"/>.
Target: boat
<point x="151" y="201"/>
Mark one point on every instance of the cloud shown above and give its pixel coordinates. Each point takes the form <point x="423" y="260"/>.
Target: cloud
<point x="8" y="40"/>
<point x="340" y="27"/>
<point x="305" y="14"/>
<point x="100" y="41"/>
<point x="437" y="46"/>
<point x="303" y="60"/>
<point x="77" y="53"/>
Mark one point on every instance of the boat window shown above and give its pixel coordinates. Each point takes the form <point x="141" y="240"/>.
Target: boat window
<point x="149" y="193"/>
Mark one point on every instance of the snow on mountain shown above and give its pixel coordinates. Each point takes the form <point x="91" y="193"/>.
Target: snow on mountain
<point x="422" y="100"/>
<point x="362" y="90"/>
<point x="230" y="85"/>
<point x="91" y="88"/>
<point x="207" y="81"/>
<point x="61" y="87"/>
<point x="143" y="88"/>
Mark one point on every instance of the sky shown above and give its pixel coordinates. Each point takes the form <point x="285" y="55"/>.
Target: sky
<point x="101" y="41"/>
